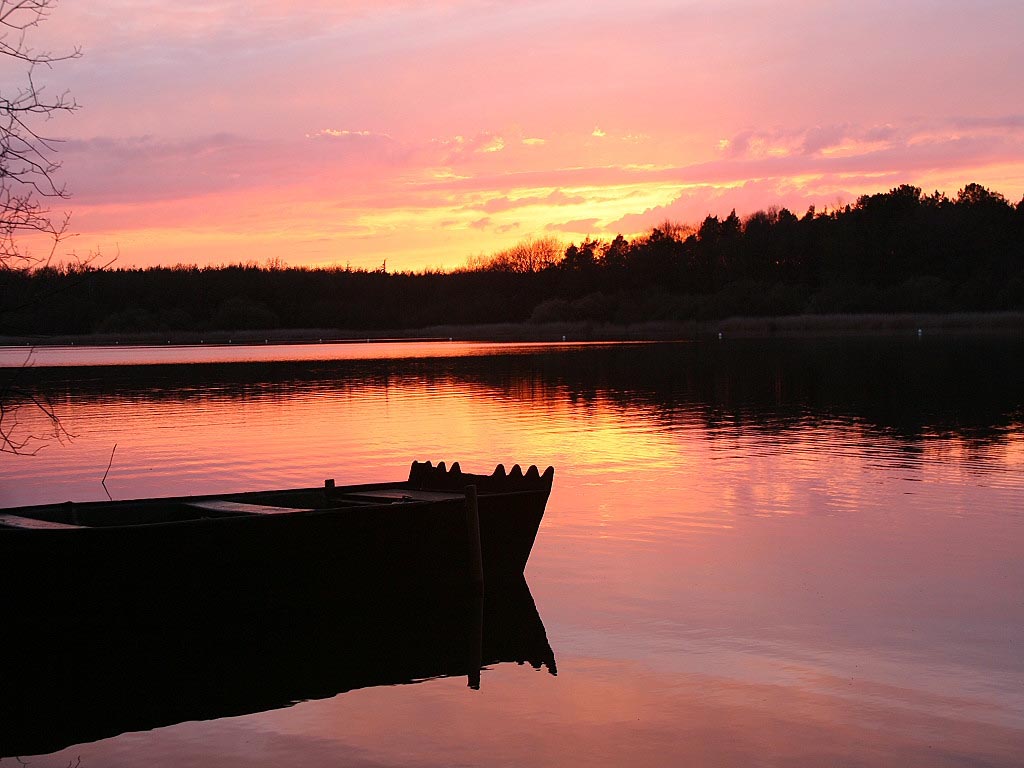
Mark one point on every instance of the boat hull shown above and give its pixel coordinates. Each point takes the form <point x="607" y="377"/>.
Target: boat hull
<point x="329" y="544"/>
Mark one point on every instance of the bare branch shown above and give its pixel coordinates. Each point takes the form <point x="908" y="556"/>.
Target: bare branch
<point x="28" y="420"/>
<point x="28" y="168"/>
<point x="27" y="158"/>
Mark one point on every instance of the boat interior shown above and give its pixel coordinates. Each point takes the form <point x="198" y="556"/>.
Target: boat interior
<point x="70" y="515"/>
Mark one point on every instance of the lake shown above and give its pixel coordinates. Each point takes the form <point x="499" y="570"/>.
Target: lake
<point x="756" y="552"/>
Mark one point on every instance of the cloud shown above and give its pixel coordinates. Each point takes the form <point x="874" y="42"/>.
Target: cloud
<point x="198" y="23"/>
<point x="1013" y="123"/>
<point x="798" y="181"/>
<point x="494" y="145"/>
<point x="557" y="197"/>
<point x="912" y="151"/>
<point x="693" y="204"/>
<point x="846" y="139"/>
<point x="459" y="149"/>
<point x="140" y="168"/>
<point x="351" y="162"/>
<point x="376" y="184"/>
<point x="577" y="226"/>
<point x="338" y="134"/>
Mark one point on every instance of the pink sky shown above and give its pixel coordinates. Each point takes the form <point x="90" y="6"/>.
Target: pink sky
<point x="422" y="133"/>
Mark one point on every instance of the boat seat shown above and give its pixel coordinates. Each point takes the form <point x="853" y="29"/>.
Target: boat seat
<point x="240" y="508"/>
<point x="17" y="521"/>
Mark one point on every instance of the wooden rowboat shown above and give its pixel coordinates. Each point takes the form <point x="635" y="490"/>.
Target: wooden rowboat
<point x="440" y="526"/>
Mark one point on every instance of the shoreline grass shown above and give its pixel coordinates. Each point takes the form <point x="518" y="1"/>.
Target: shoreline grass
<point x="733" y="327"/>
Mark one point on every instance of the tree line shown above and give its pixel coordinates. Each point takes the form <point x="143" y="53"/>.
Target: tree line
<point x="896" y="251"/>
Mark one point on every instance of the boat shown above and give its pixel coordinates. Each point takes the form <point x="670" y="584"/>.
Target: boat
<point x="440" y="527"/>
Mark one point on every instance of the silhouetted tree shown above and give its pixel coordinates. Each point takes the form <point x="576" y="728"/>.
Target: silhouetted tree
<point x="977" y="195"/>
<point x="529" y="255"/>
<point x="27" y="168"/>
<point x="616" y="254"/>
<point x="894" y="251"/>
<point x="582" y="258"/>
<point x="27" y="158"/>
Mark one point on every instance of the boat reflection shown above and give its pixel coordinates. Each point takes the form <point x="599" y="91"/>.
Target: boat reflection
<point x="76" y="679"/>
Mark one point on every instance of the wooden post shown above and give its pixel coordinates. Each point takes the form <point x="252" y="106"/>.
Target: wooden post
<point x="476" y="560"/>
<point x="476" y="641"/>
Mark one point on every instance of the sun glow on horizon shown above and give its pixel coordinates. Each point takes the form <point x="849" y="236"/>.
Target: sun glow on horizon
<point x="424" y="136"/>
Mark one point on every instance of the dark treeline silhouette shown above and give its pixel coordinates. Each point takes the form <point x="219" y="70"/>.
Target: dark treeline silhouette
<point x="898" y="251"/>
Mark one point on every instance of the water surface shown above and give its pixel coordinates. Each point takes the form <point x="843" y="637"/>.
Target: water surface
<point x="755" y="553"/>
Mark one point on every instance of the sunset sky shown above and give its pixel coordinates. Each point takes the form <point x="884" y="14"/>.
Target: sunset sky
<point x="421" y="133"/>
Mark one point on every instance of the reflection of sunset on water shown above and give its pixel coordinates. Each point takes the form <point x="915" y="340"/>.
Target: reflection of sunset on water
<point x="741" y="555"/>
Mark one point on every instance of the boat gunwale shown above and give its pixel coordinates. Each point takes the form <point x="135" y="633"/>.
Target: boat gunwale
<point x="30" y="512"/>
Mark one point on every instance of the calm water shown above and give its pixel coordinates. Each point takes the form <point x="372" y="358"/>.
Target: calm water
<point x="755" y="553"/>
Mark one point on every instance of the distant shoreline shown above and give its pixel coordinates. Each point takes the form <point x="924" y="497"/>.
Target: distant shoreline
<point x="733" y="327"/>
